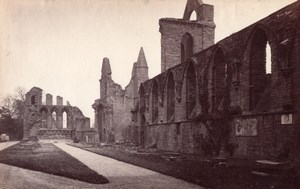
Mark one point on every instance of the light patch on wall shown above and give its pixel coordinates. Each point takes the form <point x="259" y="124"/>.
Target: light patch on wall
<point x="245" y="127"/>
<point x="268" y="59"/>
<point x="286" y="119"/>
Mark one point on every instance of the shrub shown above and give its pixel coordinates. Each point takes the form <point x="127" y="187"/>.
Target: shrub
<point x="76" y="140"/>
<point x="4" y="138"/>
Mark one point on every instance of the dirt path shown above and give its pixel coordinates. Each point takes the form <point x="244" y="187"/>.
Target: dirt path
<point x="124" y="175"/>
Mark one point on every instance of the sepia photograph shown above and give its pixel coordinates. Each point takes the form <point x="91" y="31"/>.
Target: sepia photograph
<point x="160" y="94"/>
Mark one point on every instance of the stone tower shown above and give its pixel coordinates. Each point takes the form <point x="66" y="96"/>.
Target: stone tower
<point x="141" y="71"/>
<point x="181" y="38"/>
<point x="105" y="79"/>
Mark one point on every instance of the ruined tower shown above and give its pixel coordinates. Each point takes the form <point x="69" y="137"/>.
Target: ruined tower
<point x="140" y="71"/>
<point x="105" y="78"/>
<point x="181" y="38"/>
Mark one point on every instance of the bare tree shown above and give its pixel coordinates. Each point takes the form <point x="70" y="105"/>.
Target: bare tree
<point x="7" y="108"/>
<point x="12" y="107"/>
<point x="19" y="102"/>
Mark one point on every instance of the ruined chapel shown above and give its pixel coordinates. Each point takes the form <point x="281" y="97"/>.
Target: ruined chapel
<point x="45" y="119"/>
<point x="211" y="98"/>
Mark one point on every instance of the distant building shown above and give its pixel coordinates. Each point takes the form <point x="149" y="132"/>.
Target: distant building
<point x="54" y="121"/>
<point x="113" y="111"/>
<point x="212" y="98"/>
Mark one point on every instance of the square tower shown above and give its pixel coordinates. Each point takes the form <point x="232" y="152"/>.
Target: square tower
<point x="181" y="38"/>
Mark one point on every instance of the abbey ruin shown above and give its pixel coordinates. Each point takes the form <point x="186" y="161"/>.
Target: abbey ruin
<point x="211" y="98"/>
<point x="54" y="121"/>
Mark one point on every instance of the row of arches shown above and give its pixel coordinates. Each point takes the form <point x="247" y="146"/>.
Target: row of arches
<point x="53" y="115"/>
<point x="156" y="99"/>
<point x="257" y="59"/>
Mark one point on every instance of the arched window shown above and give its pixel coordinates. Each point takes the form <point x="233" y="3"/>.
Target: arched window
<point x="170" y="97"/>
<point x="142" y="133"/>
<point x="219" y="77"/>
<point x="190" y="89"/>
<point x="193" y="16"/>
<point x="154" y="102"/>
<point x="33" y="99"/>
<point x="65" y="120"/>
<point x="142" y="100"/>
<point x="54" y="116"/>
<point x="268" y="59"/>
<point x="259" y="67"/>
<point x="186" y="47"/>
<point x="44" y="112"/>
<point x="53" y="119"/>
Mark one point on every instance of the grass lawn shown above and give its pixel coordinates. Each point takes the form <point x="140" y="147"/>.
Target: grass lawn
<point x="198" y="171"/>
<point x="46" y="157"/>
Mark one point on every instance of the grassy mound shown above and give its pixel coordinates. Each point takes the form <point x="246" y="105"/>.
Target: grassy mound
<point x="46" y="157"/>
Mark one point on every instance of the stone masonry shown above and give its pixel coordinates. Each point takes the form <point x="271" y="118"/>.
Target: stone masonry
<point x="53" y="121"/>
<point x="113" y="111"/>
<point x="214" y="98"/>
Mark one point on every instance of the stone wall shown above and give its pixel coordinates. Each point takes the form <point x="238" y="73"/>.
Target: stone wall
<point x="114" y="111"/>
<point x="173" y="30"/>
<point x="231" y="83"/>
<point x="181" y="137"/>
<point x="49" y="121"/>
<point x="270" y="138"/>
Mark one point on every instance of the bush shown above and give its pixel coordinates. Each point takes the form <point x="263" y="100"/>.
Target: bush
<point x="76" y="140"/>
<point x="4" y="138"/>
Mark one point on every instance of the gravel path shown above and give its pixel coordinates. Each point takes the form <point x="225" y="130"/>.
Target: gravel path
<point x="124" y="175"/>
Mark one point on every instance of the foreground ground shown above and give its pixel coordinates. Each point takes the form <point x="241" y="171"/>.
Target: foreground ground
<point x="46" y="157"/>
<point x="213" y="173"/>
<point x="124" y="175"/>
<point x="121" y="175"/>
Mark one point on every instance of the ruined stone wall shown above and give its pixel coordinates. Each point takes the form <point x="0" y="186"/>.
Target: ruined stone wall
<point x="262" y="136"/>
<point x="173" y="30"/>
<point x="51" y="121"/>
<point x="181" y="137"/>
<point x="114" y="110"/>
<point x="270" y="101"/>
<point x="296" y="96"/>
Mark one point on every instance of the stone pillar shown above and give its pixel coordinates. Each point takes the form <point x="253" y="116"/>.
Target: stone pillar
<point x="48" y="120"/>
<point x="59" y="121"/>
<point x="49" y="99"/>
<point x="59" y="100"/>
<point x="96" y="119"/>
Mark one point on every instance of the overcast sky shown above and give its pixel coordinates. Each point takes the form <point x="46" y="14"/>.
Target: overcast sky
<point x="58" y="45"/>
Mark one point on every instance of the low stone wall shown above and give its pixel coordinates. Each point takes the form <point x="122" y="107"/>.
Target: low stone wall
<point x="87" y="136"/>
<point x="55" y="134"/>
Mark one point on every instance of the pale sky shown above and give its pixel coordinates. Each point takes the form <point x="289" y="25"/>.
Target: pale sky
<point x="58" y="45"/>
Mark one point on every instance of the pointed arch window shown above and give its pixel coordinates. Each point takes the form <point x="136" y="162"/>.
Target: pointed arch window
<point x="219" y="78"/>
<point x="142" y="103"/>
<point x="170" y="97"/>
<point x="190" y="89"/>
<point x="260" y="67"/>
<point x="193" y="16"/>
<point x="44" y="113"/>
<point x="154" y="102"/>
<point x="53" y="119"/>
<point x="186" y="47"/>
<point x="65" y="120"/>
